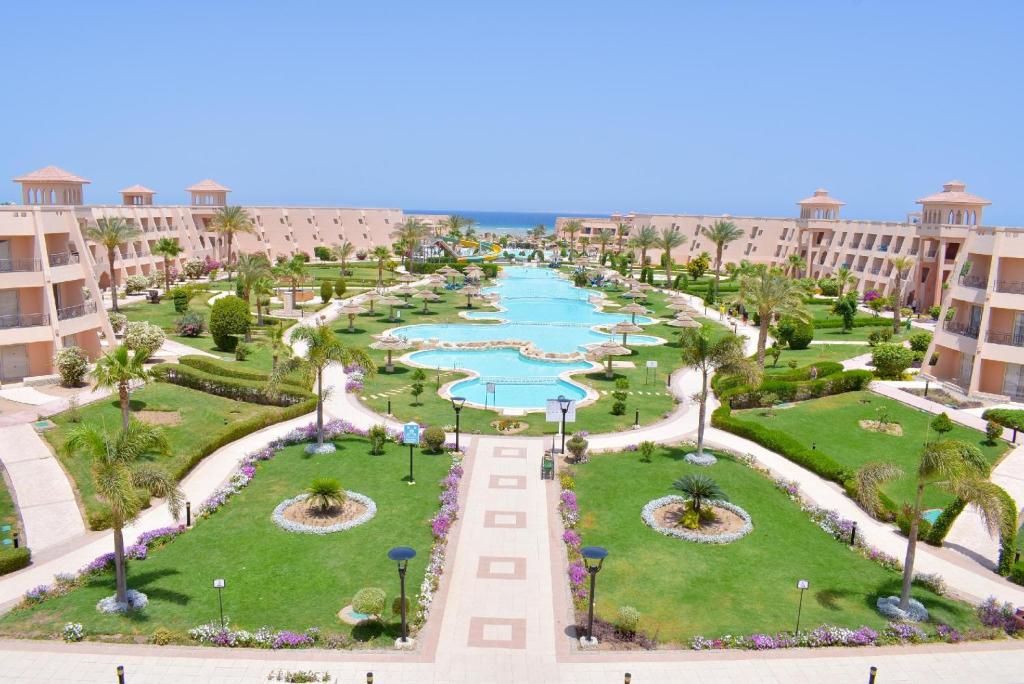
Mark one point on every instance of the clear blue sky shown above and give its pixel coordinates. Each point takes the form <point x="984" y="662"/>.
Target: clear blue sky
<point x="737" y="107"/>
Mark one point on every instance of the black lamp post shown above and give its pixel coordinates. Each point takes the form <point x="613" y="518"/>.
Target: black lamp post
<point x="457" y="404"/>
<point x="402" y="555"/>
<point x="594" y="557"/>
<point x="802" y="586"/>
<point x="563" y="404"/>
<point x="218" y="584"/>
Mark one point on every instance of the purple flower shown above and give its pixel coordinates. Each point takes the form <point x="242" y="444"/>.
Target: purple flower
<point x="577" y="572"/>
<point x="572" y="539"/>
<point x="287" y="639"/>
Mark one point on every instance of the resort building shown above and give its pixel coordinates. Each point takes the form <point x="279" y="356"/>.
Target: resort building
<point x="51" y="277"/>
<point x="959" y="264"/>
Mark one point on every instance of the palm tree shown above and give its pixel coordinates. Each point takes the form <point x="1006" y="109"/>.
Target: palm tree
<point x="264" y="290"/>
<point x="292" y="271"/>
<point x="228" y="221"/>
<point x="955" y="467"/>
<point x="572" y="226"/>
<point x="278" y="345"/>
<point x="621" y="231"/>
<point x="844" y="278"/>
<point x="795" y="264"/>
<point x="720" y="233"/>
<point x="324" y="493"/>
<point x="343" y="251"/>
<point x="645" y="238"/>
<point x="322" y="349"/>
<point x="901" y="266"/>
<point x="383" y="256"/>
<point x="410" y="233"/>
<point x="538" y="232"/>
<point x="709" y="353"/>
<point x="699" y="487"/>
<point x="454" y="225"/>
<point x="111" y="232"/>
<point x="669" y="239"/>
<point x="768" y="292"/>
<point x="117" y="473"/>
<point x="251" y="269"/>
<point x="604" y="238"/>
<point x="117" y="369"/>
<point x="168" y="248"/>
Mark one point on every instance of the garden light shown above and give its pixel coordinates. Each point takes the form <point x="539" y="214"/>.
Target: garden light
<point x="597" y="554"/>
<point x="802" y="586"/>
<point x="457" y="404"/>
<point x="563" y="404"/>
<point x="402" y="555"/>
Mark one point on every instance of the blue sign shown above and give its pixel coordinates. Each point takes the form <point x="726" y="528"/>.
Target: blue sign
<point x="411" y="433"/>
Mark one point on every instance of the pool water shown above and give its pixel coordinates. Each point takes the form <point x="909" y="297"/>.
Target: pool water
<point x="931" y="515"/>
<point x="540" y="308"/>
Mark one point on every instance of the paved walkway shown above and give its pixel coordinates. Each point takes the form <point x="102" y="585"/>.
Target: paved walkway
<point x="45" y="498"/>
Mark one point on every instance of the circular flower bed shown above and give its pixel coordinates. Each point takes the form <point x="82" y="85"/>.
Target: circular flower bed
<point x="293" y="526"/>
<point x="650" y="519"/>
<point x="889" y="606"/>
<point x="704" y="459"/>
<point x="136" y="601"/>
<point x="325" y="448"/>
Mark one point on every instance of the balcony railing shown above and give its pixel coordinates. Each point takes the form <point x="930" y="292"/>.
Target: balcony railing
<point x="1015" y="339"/>
<point x="64" y="258"/>
<point x="965" y="329"/>
<point x="23" y="320"/>
<point x="76" y="311"/>
<point x="976" y="282"/>
<point x="1010" y="286"/>
<point x="18" y="265"/>
<point x="883" y="248"/>
<point x="876" y="271"/>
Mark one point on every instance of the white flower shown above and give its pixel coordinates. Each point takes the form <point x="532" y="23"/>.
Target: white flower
<point x="292" y="526"/>
<point x="689" y="535"/>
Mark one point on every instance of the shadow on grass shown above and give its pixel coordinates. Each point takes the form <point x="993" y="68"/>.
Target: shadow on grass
<point x="399" y="370"/>
<point x="829" y="598"/>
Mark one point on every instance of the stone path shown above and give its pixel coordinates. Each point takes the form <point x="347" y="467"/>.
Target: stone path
<point x="45" y="498"/>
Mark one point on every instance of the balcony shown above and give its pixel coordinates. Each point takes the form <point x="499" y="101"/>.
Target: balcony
<point x="19" y="265"/>
<point x="976" y="282"/>
<point x="23" y="320"/>
<point x="883" y="248"/>
<point x="965" y="329"/>
<point x="1010" y="286"/>
<point x="76" y="311"/>
<point x="1015" y="339"/>
<point x="64" y="258"/>
<point x="876" y="271"/>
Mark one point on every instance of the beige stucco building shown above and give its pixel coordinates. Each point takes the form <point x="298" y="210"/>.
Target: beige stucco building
<point x="958" y="263"/>
<point x="51" y="277"/>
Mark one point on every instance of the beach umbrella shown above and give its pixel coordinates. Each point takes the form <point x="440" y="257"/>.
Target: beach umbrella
<point x="470" y="292"/>
<point x="607" y="351"/>
<point x="391" y="301"/>
<point x="371" y="298"/>
<point x="625" y="327"/>
<point x="405" y="291"/>
<point x="390" y="343"/>
<point x="682" y="320"/>
<point x="631" y="294"/>
<point x="351" y="309"/>
<point x="406" y="278"/>
<point x="634" y="309"/>
<point x="426" y="297"/>
<point x="434" y="280"/>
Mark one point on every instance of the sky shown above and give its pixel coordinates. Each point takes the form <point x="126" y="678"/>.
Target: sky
<point x="591" y="107"/>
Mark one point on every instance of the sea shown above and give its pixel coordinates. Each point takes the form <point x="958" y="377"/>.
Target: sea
<point x="512" y="222"/>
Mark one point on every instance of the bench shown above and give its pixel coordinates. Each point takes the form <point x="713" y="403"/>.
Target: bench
<point x="547" y="468"/>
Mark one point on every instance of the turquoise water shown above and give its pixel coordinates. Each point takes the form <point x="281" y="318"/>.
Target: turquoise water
<point x="541" y="308"/>
<point x="931" y="515"/>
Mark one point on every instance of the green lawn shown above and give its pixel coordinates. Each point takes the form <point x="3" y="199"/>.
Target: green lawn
<point x="8" y="514"/>
<point x="816" y="353"/>
<point x="202" y="417"/>
<point x="683" y="589"/>
<point x="831" y="425"/>
<point x="280" y="579"/>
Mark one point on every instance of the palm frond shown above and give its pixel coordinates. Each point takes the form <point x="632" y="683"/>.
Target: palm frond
<point x="869" y="479"/>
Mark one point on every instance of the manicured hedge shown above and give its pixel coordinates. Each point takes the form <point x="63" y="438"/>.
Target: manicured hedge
<point x="1008" y="418"/>
<point x="785" y="391"/>
<point x="1007" y="533"/>
<point x="252" y="391"/>
<point x="944" y="522"/>
<point x="858" y="322"/>
<point x="14" y="559"/>
<point x="231" y="369"/>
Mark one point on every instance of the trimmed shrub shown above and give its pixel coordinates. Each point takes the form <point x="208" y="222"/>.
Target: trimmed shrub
<point x="1007" y="532"/>
<point x="117" y="321"/>
<point x="369" y="601"/>
<point x="192" y="324"/>
<point x="339" y="288"/>
<point x="1009" y="418"/>
<point x="99" y="518"/>
<point x="829" y="287"/>
<point x="252" y="391"/>
<point x="322" y="253"/>
<point x="135" y="284"/>
<point x="942" y="423"/>
<point x="627" y="620"/>
<point x="71" y="364"/>
<point x="14" y="559"/>
<point x="144" y="337"/>
<point x="229" y="369"/>
<point x="378" y="436"/>
<point x="934" y="312"/>
<point x="993" y="431"/>
<point x="891" y="360"/>
<point x="796" y="334"/>
<point x="229" y="317"/>
<point x="745" y="396"/>
<point x="942" y="524"/>
<point x="919" y="341"/>
<point x="433" y="439"/>
<point x="181" y="297"/>
<point x="577" y="446"/>
<point x="326" y="290"/>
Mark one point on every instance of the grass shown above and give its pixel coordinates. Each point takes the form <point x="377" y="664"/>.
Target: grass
<point x="683" y="589"/>
<point x="831" y="425"/>
<point x="8" y="513"/>
<point x="203" y="416"/>
<point x="816" y="353"/>
<point x="281" y="579"/>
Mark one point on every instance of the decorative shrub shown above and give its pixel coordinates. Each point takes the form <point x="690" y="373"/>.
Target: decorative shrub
<point x="242" y="351"/>
<point x="369" y="601"/>
<point x="627" y="620"/>
<point x="942" y="423"/>
<point x="71" y="364"/>
<point x="322" y="253"/>
<point x="577" y="446"/>
<point x="144" y="337"/>
<point x="796" y="334"/>
<point x="1009" y="418"/>
<point x="181" y="297"/>
<point x="192" y="324"/>
<point x="117" y="321"/>
<point x="993" y="431"/>
<point x="891" y="360"/>
<point x="378" y="436"/>
<point x="934" y="312"/>
<point x="1017" y="574"/>
<point x="919" y="341"/>
<point x="73" y="632"/>
<point x="646" y="449"/>
<point x="135" y="284"/>
<point x="326" y="290"/>
<point x="829" y="287"/>
<point x="339" y="287"/>
<point x="229" y="317"/>
<point x="433" y="439"/>
<point x="14" y="559"/>
<point x="879" y="335"/>
<point x="193" y="269"/>
<point x="253" y="391"/>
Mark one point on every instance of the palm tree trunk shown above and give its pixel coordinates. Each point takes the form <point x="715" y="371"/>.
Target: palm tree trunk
<point x="668" y="268"/>
<point x="167" y="274"/>
<point x="896" y="304"/>
<point x="718" y="268"/>
<point x="113" y="278"/>
<point x="228" y="263"/>
<point x="908" y="563"/>
<point x="762" y="339"/>
<point x="320" y="407"/>
<point x="121" y="579"/>
<point x="608" y="370"/>
<point x="122" y="391"/>
<point x="703" y="411"/>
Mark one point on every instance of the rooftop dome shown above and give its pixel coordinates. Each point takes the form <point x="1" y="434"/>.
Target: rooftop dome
<point x="50" y="174"/>
<point x="953" y="192"/>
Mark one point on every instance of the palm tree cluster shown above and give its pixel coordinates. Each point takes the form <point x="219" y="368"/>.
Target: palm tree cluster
<point x="111" y="233"/>
<point x="324" y="494"/>
<point x="228" y="222"/>
<point x="769" y="293"/>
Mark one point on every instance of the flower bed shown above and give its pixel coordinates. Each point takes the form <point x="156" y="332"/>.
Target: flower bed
<point x="292" y="526"/>
<point x="693" y="535"/>
<point x="440" y="526"/>
<point x="895" y="633"/>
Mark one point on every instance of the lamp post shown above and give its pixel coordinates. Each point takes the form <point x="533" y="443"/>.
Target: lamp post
<point x="218" y="584"/>
<point x="563" y="404"/>
<point x="457" y="404"/>
<point x="593" y="557"/>
<point x="802" y="586"/>
<point x="402" y="555"/>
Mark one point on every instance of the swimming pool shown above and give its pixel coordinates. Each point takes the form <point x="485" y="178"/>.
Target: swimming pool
<point x="540" y="308"/>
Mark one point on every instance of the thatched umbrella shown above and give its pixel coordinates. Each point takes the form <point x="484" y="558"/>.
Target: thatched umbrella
<point x="406" y="278"/>
<point x="426" y="297"/>
<point x="434" y="280"/>
<point x="390" y="344"/>
<point x="391" y="301"/>
<point x="371" y="298"/>
<point x="447" y="272"/>
<point x="625" y="327"/>
<point x="634" y="309"/>
<point x="470" y="292"/>
<point x="606" y="351"/>
<point x="631" y="294"/>
<point x="405" y="291"/>
<point x="682" y="320"/>
<point x="351" y="309"/>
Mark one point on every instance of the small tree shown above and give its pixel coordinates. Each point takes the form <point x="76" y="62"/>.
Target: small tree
<point x="646" y="449"/>
<point x="72" y="364"/>
<point x="891" y="360"/>
<point x="369" y="601"/>
<point x="942" y="424"/>
<point x="993" y="431"/>
<point x="846" y="306"/>
<point x="325" y="493"/>
<point x="378" y="436"/>
<point x="339" y="288"/>
<point x="229" y="317"/>
<point x="774" y="351"/>
<point x="418" y="376"/>
<point x="619" y="395"/>
<point x="699" y="488"/>
<point x="326" y="290"/>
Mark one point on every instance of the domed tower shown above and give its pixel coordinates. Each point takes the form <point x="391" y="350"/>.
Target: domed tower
<point x="820" y="206"/>
<point x="51" y="185"/>
<point x="208" y="193"/>
<point x="953" y="206"/>
<point x="137" y="196"/>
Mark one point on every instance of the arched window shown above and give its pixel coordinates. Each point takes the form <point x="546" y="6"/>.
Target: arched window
<point x="974" y="218"/>
<point x="950" y="216"/>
